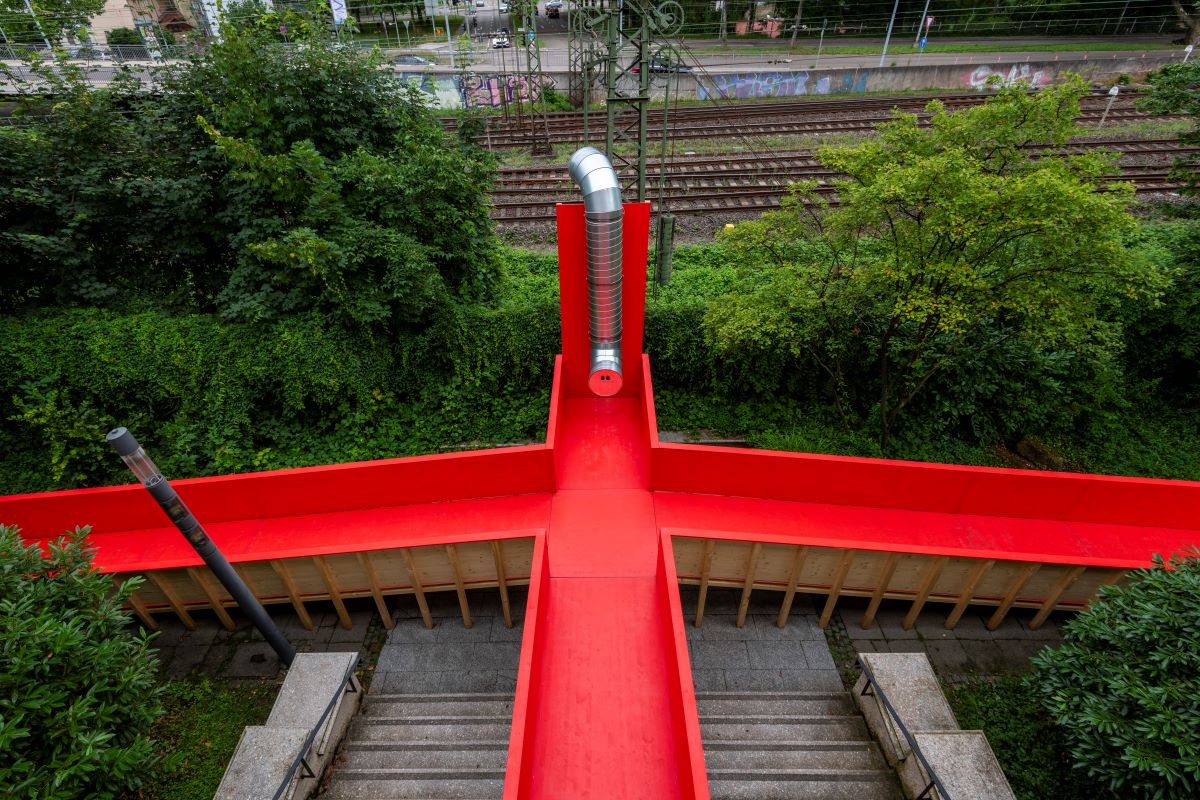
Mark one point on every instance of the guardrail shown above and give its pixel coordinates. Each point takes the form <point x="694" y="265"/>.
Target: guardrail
<point x="872" y="688"/>
<point x="284" y="759"/>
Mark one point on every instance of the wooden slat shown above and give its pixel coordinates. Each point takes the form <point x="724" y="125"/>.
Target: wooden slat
<point x="364" y="560"/>
<point x="498" y="555"/>
<point x="334" y="594"/>
<point x="785" y="610"/>
<point x="417" y="589"/>
<point x="748" y="586"/>
<point x="201" y="580"/>
<point x="173" y="599"/>
<point x="290" y="586"/>
<point x="139" y="608"/>
<point x="1010" y="596"/>
<point x="705" y="568"/>
<point x="964" y="598"/>
<point x="835" y="588"/>
<point x="931" y="576"/>
<point x="1069" y="577"/>
<point x="452" y="553"/>
<point x="881" y="585"/>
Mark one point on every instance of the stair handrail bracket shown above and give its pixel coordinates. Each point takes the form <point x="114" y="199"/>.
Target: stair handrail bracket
<point x="873" y="689"/>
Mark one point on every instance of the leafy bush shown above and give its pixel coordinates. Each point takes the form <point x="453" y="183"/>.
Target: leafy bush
<point x="1124" y="685"/>
<point x="78" y="690"/>
<point x="1027" y="744"/>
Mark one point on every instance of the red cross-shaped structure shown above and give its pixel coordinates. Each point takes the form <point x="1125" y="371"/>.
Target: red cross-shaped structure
<point x="604" y="704"/>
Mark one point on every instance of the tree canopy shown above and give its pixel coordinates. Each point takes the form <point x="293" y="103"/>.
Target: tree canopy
<point x="959" y="258"/>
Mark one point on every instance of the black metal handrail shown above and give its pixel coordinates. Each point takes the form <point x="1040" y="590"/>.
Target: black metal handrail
<point x="347" y="680"/>
<point x="872" y="685"/>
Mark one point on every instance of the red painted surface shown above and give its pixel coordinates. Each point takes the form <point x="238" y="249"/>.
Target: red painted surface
<point x="604" y="705"/>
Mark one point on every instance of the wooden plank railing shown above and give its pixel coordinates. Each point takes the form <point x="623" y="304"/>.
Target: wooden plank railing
<point x="920" y="579"/>
<point x="378" y="574"/>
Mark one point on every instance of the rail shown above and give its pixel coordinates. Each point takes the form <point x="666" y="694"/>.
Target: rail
<point x="873" y="689"/>
<point x="346" y="686"/>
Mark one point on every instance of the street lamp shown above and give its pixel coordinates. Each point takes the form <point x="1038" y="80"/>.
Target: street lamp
<point x="173" y="506"/>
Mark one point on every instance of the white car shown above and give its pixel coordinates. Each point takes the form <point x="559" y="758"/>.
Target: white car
<point x="499" y="42"/>
<point x="504" y="8"/>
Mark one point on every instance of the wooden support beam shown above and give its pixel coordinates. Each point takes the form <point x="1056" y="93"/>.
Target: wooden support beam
<point x="748" y="586"/>
<point x="416" y="584"/>
<point x="710" y="545"/>
<point x="1010" y="596"/>
<point x="1069" y="577"/>
<point x="139" y="608"/>
<point x="931" y="576"/>
<point x="334" y="594"/>
<point x="968" y="591"/>
<point x="173" y="599"/>
<point x="502" y="582"/>
<point x="290" y="585"/>
<point x="364" y="560"/>
<point x="839" y="577"/>
<point x="785" y="610"/>
<point x="197" y="575"/>
<point x="881" y="585"/>
<point x="452" y="552"/>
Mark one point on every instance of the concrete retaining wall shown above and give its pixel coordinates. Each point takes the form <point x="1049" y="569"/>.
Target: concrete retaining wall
<point x="452" y="90"/>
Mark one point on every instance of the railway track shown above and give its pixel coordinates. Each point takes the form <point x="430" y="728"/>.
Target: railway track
<point x="783" y="118"/>
<point x="734" y="184"/>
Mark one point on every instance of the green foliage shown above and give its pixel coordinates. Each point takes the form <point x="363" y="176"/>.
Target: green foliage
<point x="1029" y="747"/>
<point x="198" y="733"/>
<point x="1125" y="682"/>
<point x="54" y="19"/>
<point x="957" y="274"/>
<point x="78" y="690"/>
<point x="1175" y="89"/>
<point x="124" y="36"/>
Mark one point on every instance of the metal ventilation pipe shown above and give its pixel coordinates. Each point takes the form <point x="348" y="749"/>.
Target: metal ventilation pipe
<point x="602" y="212"/>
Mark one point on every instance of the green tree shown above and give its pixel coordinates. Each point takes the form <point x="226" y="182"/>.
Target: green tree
<point x="950" y="245"/>
<point x="53" y="18"/>
<point x="1125" y="682"/>
<point x="1175" y="89"/>
<point x="78" y="689"/>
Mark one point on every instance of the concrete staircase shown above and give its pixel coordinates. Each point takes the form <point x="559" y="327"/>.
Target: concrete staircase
<point x="790" y="746"/>
<point x="757" y="746"/>
<point x="432" y="747"/>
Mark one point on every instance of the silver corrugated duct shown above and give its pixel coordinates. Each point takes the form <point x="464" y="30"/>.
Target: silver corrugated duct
<point x="603" y="212"/>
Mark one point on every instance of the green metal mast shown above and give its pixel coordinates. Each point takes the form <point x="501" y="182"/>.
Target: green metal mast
<point x="535" y="83"/>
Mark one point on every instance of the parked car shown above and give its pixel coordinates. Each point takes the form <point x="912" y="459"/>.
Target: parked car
<point x="661" y="62"/>
<point x="501" y="41"/>
<point x="504" y="8"/>
<point x="85" y="51"/>
<point x="556" y="4"/>
<point x="412" y="61"/>
<point x="552" y="13"/>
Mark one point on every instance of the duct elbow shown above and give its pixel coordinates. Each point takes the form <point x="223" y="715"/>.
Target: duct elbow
<point x="603" y="216"/>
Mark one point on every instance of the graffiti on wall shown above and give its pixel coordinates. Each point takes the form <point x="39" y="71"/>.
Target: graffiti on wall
<point x="441" y="91"/>
<point x="498" y="90"/>
<point x="780" y="84"/>
<point x="984" y="75"/>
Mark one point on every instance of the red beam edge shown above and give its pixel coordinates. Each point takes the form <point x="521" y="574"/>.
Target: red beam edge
<point x="649" y="414"/>
<point x="693" y="777"/>
<point x="517" y="771"/>
<point x="557" y="398"/>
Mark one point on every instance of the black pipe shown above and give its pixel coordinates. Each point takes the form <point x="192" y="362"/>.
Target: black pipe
<point x="165" y="495"/>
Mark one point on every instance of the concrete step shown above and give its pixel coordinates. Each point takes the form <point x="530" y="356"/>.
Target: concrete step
<point x="772" y="728"/>
<point x="763" y="756"/>
<point x="862" y="786"/>
<point x="454" y="785"/>
<point x="429" y="729"/>
<point x="398" y="705"/>
<point x="765" y="704"/>
<point x="463" y="756"/>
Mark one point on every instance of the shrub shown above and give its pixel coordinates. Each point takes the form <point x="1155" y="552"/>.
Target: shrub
<point x="78" y="690"/>
<point x="1125" y="684"/>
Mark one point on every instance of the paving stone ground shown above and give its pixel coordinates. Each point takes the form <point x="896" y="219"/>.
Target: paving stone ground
<point x="484" y="658"/>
